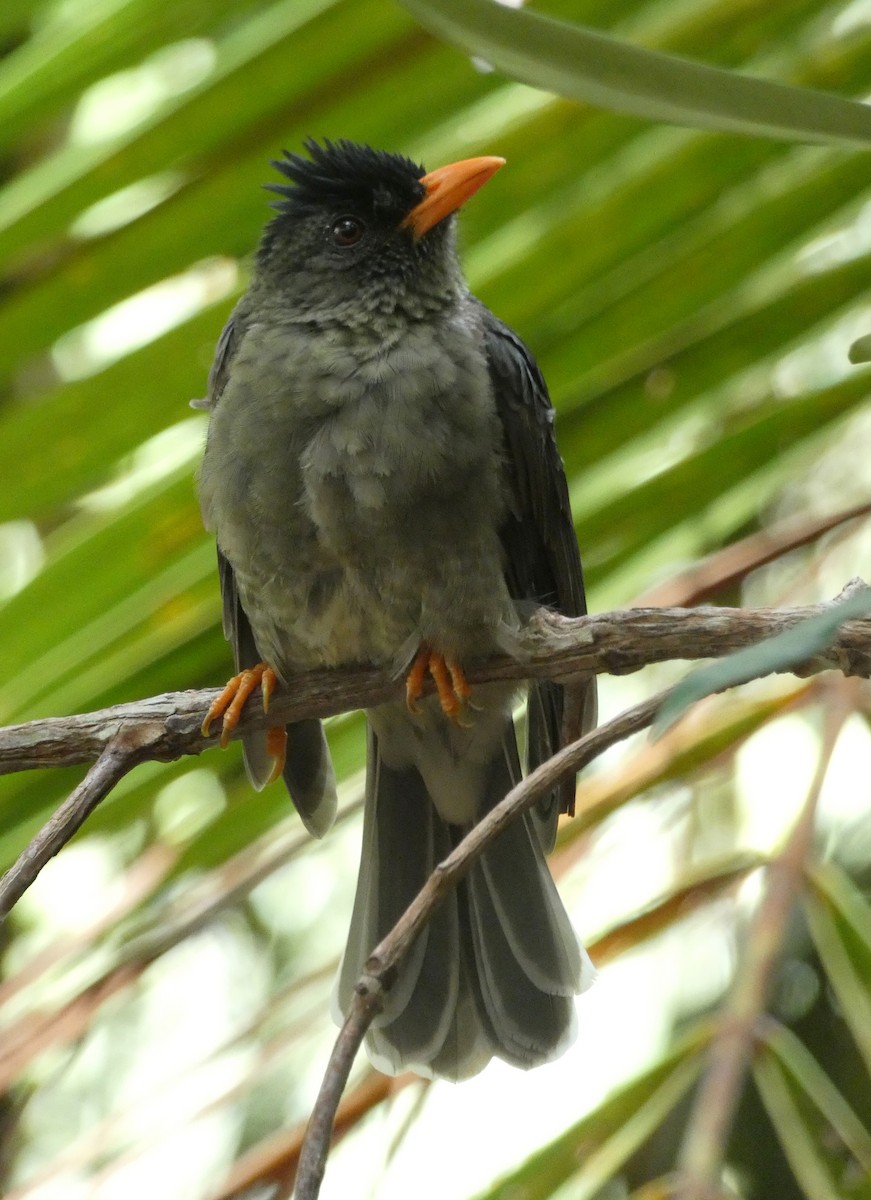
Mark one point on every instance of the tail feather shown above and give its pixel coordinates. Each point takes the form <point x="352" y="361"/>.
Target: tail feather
<point x="526" y="952"/>
<point x="529" y="1025"/>
<point x="496" y="970"/>
<point x="556" y="715"/>
<point x="468" y="1044"/>
<point x="514" y="878"/>
<point x="402" y="841"/>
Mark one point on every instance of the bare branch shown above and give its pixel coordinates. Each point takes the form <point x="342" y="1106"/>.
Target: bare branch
<point x="550" y="646"/>
<point x="366" y="1005"/>
<point x="168" y="727"/>
<point x="274" y="1161"/>
<point x="369" y="996"/>
<point x="118" y="757"/>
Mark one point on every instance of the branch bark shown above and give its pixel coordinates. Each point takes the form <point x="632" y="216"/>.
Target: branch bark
<point x="165" y="728"/>
<point x="550" y="646"/>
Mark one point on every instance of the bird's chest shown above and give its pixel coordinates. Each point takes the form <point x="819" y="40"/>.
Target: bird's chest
<point x="413" y="429"/>
<point x="359" y="487"/>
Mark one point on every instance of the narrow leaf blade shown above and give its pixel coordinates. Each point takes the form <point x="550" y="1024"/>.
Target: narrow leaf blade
<point x="586" y="65"/>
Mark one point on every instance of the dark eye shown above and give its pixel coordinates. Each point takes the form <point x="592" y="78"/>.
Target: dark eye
<point x="347" y="231"/>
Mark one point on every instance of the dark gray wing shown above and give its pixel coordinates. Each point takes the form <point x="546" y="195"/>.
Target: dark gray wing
<point x="308" y="771"/>
<point x="237" y="631"/>
<point x="543" y="563"/>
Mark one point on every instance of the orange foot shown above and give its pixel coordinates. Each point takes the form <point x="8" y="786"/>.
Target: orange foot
<point x="232" y="700"/>
<point x="451" y="685"/>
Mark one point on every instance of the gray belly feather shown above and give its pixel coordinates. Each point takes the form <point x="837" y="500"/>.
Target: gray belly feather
<point x="357" y="491"/>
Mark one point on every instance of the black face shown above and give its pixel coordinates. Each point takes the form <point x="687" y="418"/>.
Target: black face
<point x="339" y="236"/>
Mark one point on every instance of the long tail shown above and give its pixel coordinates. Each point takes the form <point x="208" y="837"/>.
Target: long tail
<point x="496" y="970"/>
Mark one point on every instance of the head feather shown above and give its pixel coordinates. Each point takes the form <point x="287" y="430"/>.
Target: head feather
<point x="348" y="175"/>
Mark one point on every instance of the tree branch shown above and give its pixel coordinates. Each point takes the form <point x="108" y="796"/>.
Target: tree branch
<point x="167" y="727"/>
<point x="118" y="756"/>
<point x="550" y="646"/>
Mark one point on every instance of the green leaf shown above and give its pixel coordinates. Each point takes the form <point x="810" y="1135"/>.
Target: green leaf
<point x="81" y="43"/>
<point x="585" y="65"/>
<point x="594" y="1150"/>
<point x="839" y="917"/>
<point x="784" y="652"/>
<point x="830" y="1113"/>
<point x="825" y="1144"/>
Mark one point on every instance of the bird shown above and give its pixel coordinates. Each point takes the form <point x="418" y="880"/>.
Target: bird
<point x="383" y="481"/>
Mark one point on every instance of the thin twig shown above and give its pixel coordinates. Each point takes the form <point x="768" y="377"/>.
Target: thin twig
<point x="369" y="995"/>
<point x="727" y="567"/>
<point x="120" y="755"/>
<point x="365" y="1007"/>
<point x="732" y="1047"/>
<point x="275" y="1160"/>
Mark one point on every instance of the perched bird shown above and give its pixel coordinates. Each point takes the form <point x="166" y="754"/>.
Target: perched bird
<point x="383" y="481"/>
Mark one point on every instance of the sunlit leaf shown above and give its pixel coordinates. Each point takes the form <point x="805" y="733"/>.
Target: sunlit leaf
<point x="783" y="652"/>
<point x="586" y="65"/>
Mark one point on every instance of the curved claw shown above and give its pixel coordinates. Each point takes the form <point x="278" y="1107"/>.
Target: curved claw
<point x="229" y="704"/>
<point x="276" y="746"/>
<point x="452" y="687"/>
<point x="415" y="679"/>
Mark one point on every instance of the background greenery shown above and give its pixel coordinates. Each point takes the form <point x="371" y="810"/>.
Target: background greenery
<point x="691" y="298"/>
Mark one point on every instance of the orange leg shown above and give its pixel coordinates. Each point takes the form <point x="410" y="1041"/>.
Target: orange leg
<point x="276" y="745"/>
<point x="459" y="683"/>
<point x="415" y="678"/>
<point x="232" y="699"/>
<point x="443" y="676"/>
<point x="451" y="684"/>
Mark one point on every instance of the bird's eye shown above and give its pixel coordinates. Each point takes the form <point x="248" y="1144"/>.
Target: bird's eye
<point x="347" y="231"/>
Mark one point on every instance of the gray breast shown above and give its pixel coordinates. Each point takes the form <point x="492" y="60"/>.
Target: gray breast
<point x="355" y="484"/>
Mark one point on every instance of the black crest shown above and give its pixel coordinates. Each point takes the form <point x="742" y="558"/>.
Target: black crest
<point x="347" y="175"/>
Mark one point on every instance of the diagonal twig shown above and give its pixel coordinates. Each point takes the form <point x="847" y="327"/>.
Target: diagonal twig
<point x="727" y="567"/>
<point x="369" y="994"/>
<point x="119" y="756"/>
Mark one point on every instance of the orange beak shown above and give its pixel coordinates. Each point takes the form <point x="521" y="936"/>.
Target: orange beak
<point x="447" y="188"/>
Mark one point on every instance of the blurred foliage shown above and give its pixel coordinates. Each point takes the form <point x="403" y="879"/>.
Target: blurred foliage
<point x="691" y="297"/>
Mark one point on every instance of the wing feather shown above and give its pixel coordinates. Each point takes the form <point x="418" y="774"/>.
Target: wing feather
<point x="308" y="771"/>
<point x="542" y="560"/>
